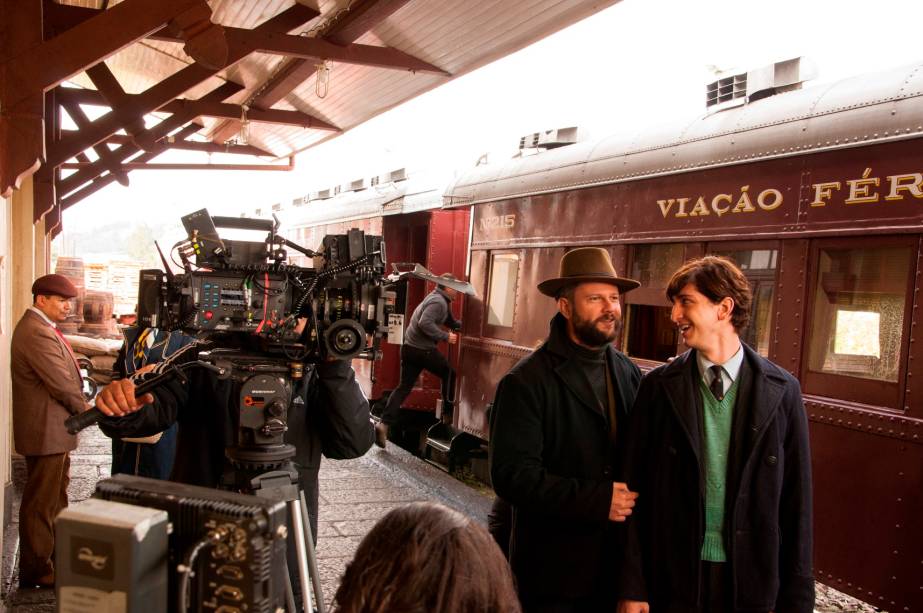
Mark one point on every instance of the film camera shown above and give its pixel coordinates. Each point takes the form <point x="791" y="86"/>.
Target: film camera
<point x="245" y="289"/>
<point x="260" y="323"/>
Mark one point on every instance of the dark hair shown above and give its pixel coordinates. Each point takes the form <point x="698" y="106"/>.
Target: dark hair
<point x="567" y="292"/>
<point x="716" y="278"/>
<point x="423" y="558"/>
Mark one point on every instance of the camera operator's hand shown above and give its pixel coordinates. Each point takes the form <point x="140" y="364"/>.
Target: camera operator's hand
<point x="118" y="399"/>
<point x="453" y="338"/>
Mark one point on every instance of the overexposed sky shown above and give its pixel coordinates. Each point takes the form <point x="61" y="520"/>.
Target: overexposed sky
<point x="640" y="62"/>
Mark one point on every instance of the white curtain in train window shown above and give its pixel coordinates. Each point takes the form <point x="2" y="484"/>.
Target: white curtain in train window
<point x="504" y="270"/>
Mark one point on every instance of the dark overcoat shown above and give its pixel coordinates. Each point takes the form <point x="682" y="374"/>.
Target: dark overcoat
<point x="768" y="529"/>
<point x="551" y="457"/>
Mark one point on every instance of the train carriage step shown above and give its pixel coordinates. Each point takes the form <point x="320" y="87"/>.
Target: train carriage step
<point x="448" y="448"/>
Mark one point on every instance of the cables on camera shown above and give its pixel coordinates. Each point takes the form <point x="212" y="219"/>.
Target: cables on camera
<point x="187" y="568"/>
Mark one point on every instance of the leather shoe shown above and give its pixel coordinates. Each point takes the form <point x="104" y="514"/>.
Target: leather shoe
<point x="381" y="434"/>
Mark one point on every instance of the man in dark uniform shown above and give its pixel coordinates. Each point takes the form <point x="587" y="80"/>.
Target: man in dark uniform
<point x="47" y="389"/>
<point x="718" y="451"/>
<point x="556" y="423"/>
<point x="420" y="352"/>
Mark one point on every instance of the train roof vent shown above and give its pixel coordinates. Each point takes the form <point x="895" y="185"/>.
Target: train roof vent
<point x="394" y="176"/>
<point x="726" y="92"/>
<point x="277" y="206"/>
<point x="779" y="77"/>
<point x="300" y="201"/>
<point x="732" y="90"/>
<point x="354" y="186"/>
<point x="549" y="139"/>
<point x="322" y="194"/>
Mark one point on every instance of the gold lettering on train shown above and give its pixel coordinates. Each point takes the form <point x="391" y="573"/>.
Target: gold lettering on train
<point x="823" y="192"/>
<point x="776" y="199"/>
<point x="859" y="189"/>
<point x="899" y="183"/>
<point x="864" y="190"/>
<point x="498" y="221"/>
<point x="768" y="200"/>
<point x="743" y="203"/>
<point x="721" y="210"/>
<point x="699" y="208"/>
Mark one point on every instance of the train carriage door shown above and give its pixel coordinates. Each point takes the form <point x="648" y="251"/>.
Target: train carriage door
<point x="649" y="332"/>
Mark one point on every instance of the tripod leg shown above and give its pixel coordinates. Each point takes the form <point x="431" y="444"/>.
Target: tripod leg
<point x="312" y="555"/>
<point x="301" y="545"/>
<point x="289" y="595"/>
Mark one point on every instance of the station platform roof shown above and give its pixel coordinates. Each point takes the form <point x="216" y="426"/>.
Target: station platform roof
<point x="293" y="74"/>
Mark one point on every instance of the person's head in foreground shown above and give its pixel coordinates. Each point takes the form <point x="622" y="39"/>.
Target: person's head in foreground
<point x="427" y="558"/>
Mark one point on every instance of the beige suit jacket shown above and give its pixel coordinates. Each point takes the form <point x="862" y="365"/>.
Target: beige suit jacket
<point x="47" y="388"/>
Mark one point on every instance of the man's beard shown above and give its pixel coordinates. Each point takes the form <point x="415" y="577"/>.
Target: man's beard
<point x="588" y="334"/>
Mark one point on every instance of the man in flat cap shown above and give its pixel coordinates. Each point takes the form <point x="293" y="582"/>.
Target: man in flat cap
<point x="556" y="424"/>
<point x="420" y="352"/>
<point x="47" y="389"/>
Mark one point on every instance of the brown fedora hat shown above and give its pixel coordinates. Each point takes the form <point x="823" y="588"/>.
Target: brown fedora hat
<point x="586" y="265"/>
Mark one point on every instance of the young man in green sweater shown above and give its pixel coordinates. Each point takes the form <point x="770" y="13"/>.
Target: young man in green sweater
<point x="718" y="453"/>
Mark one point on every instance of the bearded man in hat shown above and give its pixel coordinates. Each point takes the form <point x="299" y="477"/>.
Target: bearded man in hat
<point x="556" y="425"/>
<point x="420" y="352"/>
<point x="47" y="389"/>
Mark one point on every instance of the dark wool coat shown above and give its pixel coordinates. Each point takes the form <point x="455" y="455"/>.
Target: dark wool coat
<point x="768" y="523"/>
<point x="551" y="458"/>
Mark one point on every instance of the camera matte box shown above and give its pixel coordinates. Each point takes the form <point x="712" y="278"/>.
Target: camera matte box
<point x="110" y="557"/>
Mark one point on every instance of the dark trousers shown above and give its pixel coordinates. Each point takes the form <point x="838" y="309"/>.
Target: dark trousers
<point x="716" y="588"/>
<point x="43" y="497"/>
<point x="500" y="524"/>
<point x="601" y="603"/>
<point x="145" y="459"/>
<point x="413" y="362"/>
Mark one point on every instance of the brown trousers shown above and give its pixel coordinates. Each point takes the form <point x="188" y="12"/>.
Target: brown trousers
<point x="44" y="496"/>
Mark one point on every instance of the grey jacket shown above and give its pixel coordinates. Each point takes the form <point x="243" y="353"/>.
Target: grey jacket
<point x="425" y="330"/>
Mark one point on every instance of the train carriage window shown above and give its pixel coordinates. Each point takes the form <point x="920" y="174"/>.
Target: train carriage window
<point x="859" y="320"/>
<point x="504" y="270"/>
<point x="649" y="332"/>
<point x="759" y="266"/>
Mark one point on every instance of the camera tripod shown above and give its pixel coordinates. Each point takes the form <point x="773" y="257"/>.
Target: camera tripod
<point x="269" y="473"/>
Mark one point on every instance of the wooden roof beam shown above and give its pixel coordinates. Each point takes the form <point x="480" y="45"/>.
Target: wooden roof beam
<point x="362" y="16"/>
<point x="160" y="94"/>
<point x="208" y="109"/>
<point x="112" y="91"/>
<point x="148" y="139"/>
<point x="108" y="159"/>
<point x="320" y="49"/>
<point x="102" y="182"/>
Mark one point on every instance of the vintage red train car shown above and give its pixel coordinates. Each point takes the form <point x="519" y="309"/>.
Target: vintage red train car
<point x="407" y="212"/>
<point x="818" y="194"/>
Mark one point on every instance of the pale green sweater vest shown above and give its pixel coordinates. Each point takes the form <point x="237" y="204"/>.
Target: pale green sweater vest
<point x="717" y="429"/>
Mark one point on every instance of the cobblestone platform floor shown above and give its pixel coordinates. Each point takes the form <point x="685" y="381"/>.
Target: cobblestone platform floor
<point x="354" y="494"/>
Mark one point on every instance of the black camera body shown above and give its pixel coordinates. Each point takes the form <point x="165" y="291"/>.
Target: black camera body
<point x="244" y="292"/>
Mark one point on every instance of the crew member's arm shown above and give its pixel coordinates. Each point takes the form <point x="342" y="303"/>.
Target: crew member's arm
<point x="346" y="430"/>
<point x="796" y="576"/>
<point x="517" y="470"/>
<point x="56" y="370"/>
<point x="123" y="409"/>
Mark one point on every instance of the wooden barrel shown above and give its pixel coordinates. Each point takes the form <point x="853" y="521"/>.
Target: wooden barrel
<point x="97" y="307"/>
<point x="73" y="269"/>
